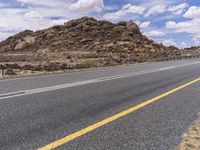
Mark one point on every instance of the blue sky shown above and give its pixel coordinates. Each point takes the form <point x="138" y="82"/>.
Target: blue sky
<point x="171" y="22"/>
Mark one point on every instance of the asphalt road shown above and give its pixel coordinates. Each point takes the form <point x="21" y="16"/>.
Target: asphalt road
<point x="36" y="111"/>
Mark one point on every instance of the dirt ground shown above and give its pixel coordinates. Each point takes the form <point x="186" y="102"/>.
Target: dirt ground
<point x="21" y="73"/>
<point x="191" y="139"/>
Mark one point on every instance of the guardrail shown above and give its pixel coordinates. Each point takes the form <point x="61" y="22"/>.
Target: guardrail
<point x="178" y="57"/>
<point x="13" y="72"/>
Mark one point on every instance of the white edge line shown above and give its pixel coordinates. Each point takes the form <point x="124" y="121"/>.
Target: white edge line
<point x="67" y="85"/>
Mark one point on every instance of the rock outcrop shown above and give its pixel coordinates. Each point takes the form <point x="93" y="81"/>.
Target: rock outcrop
<point x="83" y="43"/>
<point x="191" y="50"/>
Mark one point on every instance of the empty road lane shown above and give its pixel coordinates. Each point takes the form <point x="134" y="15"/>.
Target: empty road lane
<point x="145" y="106"/>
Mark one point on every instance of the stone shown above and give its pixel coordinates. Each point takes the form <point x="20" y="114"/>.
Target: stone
<point x="132" y="27"/>
<point x="119" y="29"/>
<point x="121" y="23"/>
<point x="30" y="39"/>
<point x="20" y="45"/>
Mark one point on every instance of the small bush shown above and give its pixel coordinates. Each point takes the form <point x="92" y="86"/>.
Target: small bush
<point x="10" y="72"/>
<point x="89" y="64"/>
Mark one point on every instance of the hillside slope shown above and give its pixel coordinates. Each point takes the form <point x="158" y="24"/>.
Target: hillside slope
<point x="191" y="50"/>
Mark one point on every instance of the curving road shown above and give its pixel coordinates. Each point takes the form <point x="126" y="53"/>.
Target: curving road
<point x="140" y="107"/>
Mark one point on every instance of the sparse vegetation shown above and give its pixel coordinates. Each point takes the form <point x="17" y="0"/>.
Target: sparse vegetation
<point x="89" y="64"/>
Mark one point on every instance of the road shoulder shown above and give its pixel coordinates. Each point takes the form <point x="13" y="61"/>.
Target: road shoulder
<point x="191" y="139"/>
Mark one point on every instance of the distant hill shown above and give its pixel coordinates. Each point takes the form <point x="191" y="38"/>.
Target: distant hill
<point x="81" y="43"/>
<point x="191" y="50"/>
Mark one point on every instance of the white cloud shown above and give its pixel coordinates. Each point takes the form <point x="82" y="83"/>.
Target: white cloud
<point x="87" y="5"/>
<point x="180" y="25"/>
<point x="58" y="22"/>
<point x="192" y="27"/>
<point x="183" y="45"/>
<point x="193" y="12"/>
<point x="154" y="34"/>
<point x="178" y="9"/>
<point x="196" y="38"/>
<point x="114" y="15"/>
<point x="126" y="9"/>
<point x="158" y="9"/>
<point x="4" y="35"/>
<point x="40" y="14"/>
<point x="3" y="25"/>
<point x="197" y="42"/>
<point x="11" y="19"/>
<point x="33" y="16"/>
<point x="46" y="3"/>
<point x="52" y="8"/>
<point x="164" y="6"/>
<point x="169" y="43"/>
<point x="30" y="1"/>
<point x="145" y="25"/>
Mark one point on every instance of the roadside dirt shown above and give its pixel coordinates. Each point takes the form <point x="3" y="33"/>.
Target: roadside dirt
<point x="191" y="139"/>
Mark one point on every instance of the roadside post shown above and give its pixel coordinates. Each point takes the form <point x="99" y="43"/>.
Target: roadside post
<point x="3" y="72"/>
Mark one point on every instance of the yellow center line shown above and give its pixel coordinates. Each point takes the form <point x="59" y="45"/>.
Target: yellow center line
<point x="92" y="127"/>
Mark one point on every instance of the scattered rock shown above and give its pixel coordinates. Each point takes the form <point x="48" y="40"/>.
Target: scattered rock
<point x="132" y="27"/>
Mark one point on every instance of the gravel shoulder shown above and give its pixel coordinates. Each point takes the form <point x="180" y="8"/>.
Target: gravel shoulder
<point x="191" y="139"/>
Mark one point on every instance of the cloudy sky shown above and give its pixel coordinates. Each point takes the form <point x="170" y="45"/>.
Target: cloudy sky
<point x="174" y="22"/>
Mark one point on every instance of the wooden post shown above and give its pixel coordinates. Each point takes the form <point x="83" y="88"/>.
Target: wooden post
<point x="3" y="72"/>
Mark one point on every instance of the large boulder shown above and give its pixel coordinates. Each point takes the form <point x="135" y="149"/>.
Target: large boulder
<point x="133" y="27"/>
<point x="20" y="45"/>
<point x="30" y="39"/>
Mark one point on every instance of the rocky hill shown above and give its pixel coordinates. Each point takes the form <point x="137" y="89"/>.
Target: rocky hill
<point x="191" y="50"/>
<point x="81" y="43"/>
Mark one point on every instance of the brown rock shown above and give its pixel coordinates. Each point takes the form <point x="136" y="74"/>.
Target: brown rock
<point x="20" y="45"/>
<point x="121" y="23"/>
<point x="30" y="39"/>
<point x="132" y="27"/>
<point x="119" y="29"/>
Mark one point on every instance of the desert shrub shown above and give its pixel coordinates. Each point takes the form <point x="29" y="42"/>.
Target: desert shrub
<point x="64" y="67"/>
<point x="37" y="68"/>
<point x="52" y="67"/>
<point x="27" y="67"/>
<point x="12" y="66"/>
<point x="2" y="66"/>
<point x="89" y="64"/>
<point x="10" y="72"/>
<point x="22" y="58"/>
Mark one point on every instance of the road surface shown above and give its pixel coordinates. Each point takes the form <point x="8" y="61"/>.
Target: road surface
<point x="145" y="106"/>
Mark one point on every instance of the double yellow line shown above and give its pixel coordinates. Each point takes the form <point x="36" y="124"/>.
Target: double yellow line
<point x="92" y="127"/>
